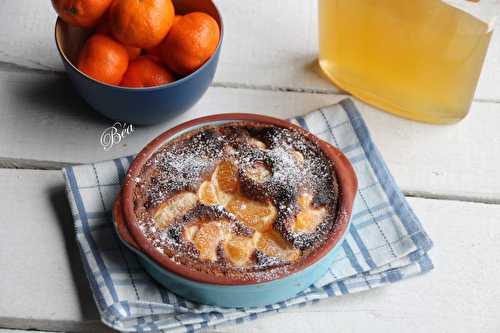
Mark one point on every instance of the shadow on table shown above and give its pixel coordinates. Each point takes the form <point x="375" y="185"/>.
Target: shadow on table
<point x="54" y="93"/>
<point x="90" y="315"/>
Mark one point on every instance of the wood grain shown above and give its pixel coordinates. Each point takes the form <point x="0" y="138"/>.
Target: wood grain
<point x="45" y="124"/>
<point x="43" y="285"/>
<point x="44" y="288"/>
<point x="268" y="44"/>
<point x="17" y="331"/>
<point x="268" y="66"/>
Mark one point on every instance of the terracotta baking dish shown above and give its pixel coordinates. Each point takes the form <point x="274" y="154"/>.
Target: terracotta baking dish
<point x="220" y="290"/>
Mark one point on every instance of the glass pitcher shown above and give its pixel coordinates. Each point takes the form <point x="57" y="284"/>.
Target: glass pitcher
<point x="419" y="59"/>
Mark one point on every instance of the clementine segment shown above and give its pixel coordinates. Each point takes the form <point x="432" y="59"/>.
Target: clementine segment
<point x="206" y="194"/>
<point x="103" y="59"/>
<point x="227" y="177"/>
<point x="254" y="214"/>
<point x="208" y="237"/>
<point x="308" y="218"/>
<point x="239" y="249"/>
<point x="190" y="42"/>
<point x="145" y="72"/>
<point x="81" y="13"/>
<point x="306" y="222"/>
<point x="271" y="244"/>
<point x="173" y="208"/>
<point x="141" y="23"/>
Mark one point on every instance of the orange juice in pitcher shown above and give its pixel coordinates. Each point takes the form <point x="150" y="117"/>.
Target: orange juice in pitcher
<point x="420" y="59"/>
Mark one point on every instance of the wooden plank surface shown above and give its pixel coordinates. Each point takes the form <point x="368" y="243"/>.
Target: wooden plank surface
<point x="268" y="44"/>
<point x="42" y="119"/>
<point x="43" y="285"/>
<point x="18" y="331"/>
<point x="44" y="288"/>
<point x="267" y="66"/>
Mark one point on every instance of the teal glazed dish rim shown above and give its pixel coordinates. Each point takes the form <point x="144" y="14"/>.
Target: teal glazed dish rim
<point x="227" y="296"/>
<point x="226" y="292"/>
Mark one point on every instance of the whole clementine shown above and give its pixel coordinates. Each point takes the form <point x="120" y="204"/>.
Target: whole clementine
<point x="176" y="18"/>
<point x="190" y="42"/>
<point x="103" y="28"/>
<point x="103" y="59"/>
<point x="156" y="50"/>
<point x="146" y="72"/>
<point x="81" y="13"/>
<point x="141" y="23"/>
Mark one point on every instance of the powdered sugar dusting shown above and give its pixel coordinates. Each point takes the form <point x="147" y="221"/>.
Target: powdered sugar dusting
<point x="293" y="165"/>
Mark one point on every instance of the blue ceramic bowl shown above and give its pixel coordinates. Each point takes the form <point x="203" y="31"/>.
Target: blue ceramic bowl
<point x="140" y="106"/>
<point x="229" y="293"/>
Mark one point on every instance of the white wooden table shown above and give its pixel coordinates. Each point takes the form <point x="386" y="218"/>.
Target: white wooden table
<point x="451" y="175"/>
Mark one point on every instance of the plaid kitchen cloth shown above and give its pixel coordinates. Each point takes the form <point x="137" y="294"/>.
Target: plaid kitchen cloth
<point x="385" y="243"/>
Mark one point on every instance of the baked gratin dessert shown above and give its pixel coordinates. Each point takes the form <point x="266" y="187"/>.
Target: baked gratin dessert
<point x="243" y="200"/>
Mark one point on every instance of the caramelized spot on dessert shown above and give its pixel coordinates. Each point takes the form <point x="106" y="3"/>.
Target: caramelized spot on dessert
<point x="273" y="245"/>
<point x="308" y="218"/>
<point x="175" y="207"/>
<point x="256" y="215"/>
<point x="206" y="194"/>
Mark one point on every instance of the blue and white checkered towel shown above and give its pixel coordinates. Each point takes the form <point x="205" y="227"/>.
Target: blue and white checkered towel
<point x="385" y="243"/>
